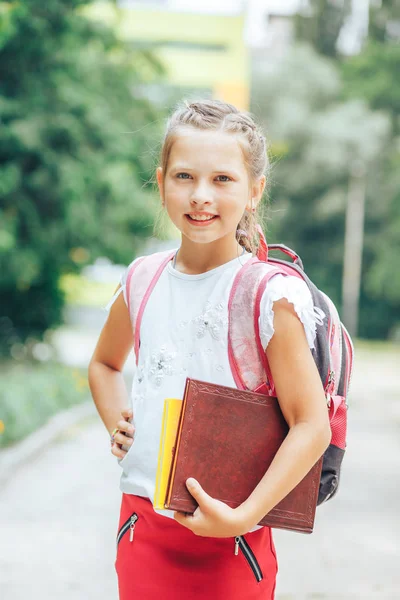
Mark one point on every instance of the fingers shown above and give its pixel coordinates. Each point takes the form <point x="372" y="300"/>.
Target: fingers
<point x="121" y="438"/>
<point x="126" y="427"/>
<point x="127" y="413"/>
<point x="180" y="518"/>
<point x="125" y="434"/>
<point x="117" y="451"/>
<point x="200" y="495"/>
<point x="185" y="519"/>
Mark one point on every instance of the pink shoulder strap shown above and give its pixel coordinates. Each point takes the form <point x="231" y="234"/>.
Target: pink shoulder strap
<point x="247" y="357"/>
<point x="146" y="273"/>
<point x="335" y="347"/>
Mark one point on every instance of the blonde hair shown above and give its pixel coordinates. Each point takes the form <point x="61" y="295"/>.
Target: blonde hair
<point x="221" y="116"/>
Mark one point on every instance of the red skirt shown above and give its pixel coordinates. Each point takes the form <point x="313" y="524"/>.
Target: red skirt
<point x="159" y="558"/>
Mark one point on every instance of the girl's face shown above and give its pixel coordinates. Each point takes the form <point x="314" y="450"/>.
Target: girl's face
<point x="206" y="188"/>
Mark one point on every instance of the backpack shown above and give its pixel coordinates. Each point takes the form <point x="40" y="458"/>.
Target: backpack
<point x="333" y="349"/>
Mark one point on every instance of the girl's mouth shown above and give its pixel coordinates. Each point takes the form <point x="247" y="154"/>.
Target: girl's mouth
<point x="203" y="222"/>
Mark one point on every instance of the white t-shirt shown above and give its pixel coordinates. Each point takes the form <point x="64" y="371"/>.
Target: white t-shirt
<point x="184" y="334"/>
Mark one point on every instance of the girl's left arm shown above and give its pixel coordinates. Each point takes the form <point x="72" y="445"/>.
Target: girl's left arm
<point x="302" y="401"/>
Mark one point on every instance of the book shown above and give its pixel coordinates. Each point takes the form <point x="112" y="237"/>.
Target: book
<point x="169" y="428"/>
<point x="226" y="439"/>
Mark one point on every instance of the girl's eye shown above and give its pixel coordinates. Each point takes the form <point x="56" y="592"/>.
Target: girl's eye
<point x="183" y="175"/>
<point x="225" y="178"/>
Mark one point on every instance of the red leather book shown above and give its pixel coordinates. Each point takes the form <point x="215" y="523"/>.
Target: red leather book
<point x="226" y="439"/>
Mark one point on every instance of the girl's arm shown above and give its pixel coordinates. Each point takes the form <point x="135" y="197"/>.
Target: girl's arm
<point x="105" y="371"/>
<point x="302" y="401"/>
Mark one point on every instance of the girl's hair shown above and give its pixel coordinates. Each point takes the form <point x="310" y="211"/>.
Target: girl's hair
<point x="221" y="116"/>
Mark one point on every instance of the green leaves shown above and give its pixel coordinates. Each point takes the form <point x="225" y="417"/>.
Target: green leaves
<point x="70" y="174"/>
<point x="326" y="135"/>
<point x="32" y="393"/>
<point x="320" y="23"/>
<point x="373" y="75"/>
<point x="337" y="114"/>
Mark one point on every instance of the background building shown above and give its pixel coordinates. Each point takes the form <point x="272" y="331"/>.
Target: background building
<point x="200" y="49"/>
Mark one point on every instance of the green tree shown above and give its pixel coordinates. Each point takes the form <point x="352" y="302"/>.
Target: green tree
<point x="384" y="19"/>
<point x="76" y="146"/>
<point x="373" y="75"/>
<point x="320" y="23"/>
<point x="316" y="137"/>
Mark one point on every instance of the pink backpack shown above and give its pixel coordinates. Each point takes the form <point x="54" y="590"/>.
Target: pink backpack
<point x="333" y="352"/>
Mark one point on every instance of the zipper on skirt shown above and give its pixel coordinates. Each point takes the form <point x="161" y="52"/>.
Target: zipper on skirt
<point x="241" y="543"/>
<point x="129" y="525"/>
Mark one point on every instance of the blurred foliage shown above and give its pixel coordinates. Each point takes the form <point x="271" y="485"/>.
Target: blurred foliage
<point x="373" y="75"/>
<point x="323" y="138"/>
<point x="81" y="291"/>
<point x="319" y="23"/>
<point x="76" y="152"/>
<point x="31" y="393"/>
<point x="384" y="21"/>
<point x="332" y="113"/>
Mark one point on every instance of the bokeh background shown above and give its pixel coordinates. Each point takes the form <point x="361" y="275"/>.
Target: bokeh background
<point x="85" y="88"/>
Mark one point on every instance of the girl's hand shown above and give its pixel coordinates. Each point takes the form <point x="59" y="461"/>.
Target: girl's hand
<point x="212" y="518"/>
<point x="124" y="435"/>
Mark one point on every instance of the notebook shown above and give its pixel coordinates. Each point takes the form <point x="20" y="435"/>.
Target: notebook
<point x="169" y="428"/>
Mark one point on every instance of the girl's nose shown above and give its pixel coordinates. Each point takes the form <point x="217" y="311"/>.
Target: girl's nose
<point x="201" y="195"/>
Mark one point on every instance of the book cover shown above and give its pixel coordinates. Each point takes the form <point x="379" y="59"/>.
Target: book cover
<point x="226" y="439"/>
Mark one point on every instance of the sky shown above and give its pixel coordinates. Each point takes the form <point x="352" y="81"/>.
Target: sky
<point x="233" y="5"/>
<point x="223" y="6"/>
<point x="350" y="39"/>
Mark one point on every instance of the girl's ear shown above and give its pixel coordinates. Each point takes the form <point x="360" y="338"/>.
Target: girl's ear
<point x="256" y="190"/>
<point x="160" y="182"/>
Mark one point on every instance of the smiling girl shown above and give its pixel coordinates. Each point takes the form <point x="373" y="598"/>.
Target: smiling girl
<point x="211" y="180"/>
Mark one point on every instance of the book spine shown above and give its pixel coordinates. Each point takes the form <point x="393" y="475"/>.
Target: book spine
<point x="176" y="446"/>
<point x="158" y="501"/>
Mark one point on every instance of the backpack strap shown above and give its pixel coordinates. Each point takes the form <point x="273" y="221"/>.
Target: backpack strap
<point x="347" y="362"/>
<point x="335" y="349"/>
<point x="128" y="282"/>
<point x="262" y="252"/>
<point x="247" y="358"/>
<point x="146" y="272"/>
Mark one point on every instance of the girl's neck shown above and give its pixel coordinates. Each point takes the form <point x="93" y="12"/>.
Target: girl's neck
<point x="194" y="259"/>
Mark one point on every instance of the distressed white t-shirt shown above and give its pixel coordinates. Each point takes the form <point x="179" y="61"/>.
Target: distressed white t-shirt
<point x="184" y="333"/>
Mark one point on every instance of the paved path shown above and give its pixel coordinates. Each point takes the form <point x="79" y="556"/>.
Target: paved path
<point x="58" y="516"/>
<point x="57" y="520"/>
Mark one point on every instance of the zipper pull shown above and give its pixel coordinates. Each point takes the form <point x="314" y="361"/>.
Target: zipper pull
<point x="330" y="385"/>
<point x="331" y="381"/>
<point x="237" y="540"/>
<point x="132" y="527"/>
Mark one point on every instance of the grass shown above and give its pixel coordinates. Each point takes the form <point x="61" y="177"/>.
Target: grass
<point x="31" y="393"/>
<point x="81" y="291"/>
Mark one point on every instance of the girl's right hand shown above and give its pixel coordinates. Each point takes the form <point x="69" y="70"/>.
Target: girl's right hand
<point x="125" y="434"/>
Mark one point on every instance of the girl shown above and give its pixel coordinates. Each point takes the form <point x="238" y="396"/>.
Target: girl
<point x="211" y="180"/>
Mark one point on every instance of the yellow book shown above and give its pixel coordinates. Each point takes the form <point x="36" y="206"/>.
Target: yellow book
<point x="169" y="428"/>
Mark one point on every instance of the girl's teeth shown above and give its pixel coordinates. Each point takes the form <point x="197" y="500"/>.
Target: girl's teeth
<point x="201" y="218"/>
